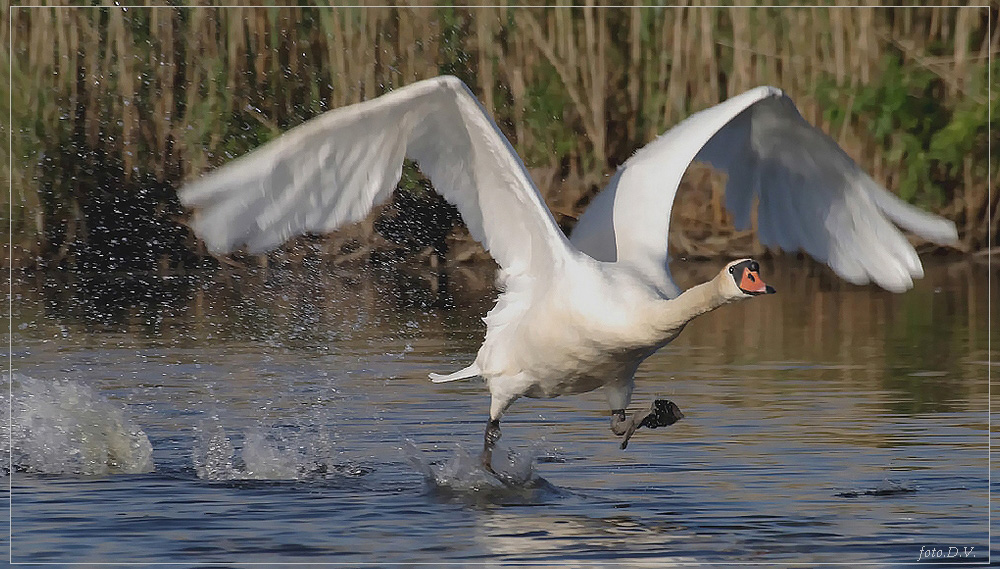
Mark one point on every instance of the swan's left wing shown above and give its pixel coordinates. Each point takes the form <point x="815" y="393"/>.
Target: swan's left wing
<point x="810" y="194"/>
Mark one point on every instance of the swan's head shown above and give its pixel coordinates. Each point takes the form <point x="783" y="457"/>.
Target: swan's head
<point x="741" y="279"/>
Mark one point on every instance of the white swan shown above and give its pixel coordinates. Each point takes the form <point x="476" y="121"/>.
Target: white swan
<point x="583" y="313"/>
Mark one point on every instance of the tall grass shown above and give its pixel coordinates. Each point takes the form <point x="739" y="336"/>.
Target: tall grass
<point x="159" y="94"/>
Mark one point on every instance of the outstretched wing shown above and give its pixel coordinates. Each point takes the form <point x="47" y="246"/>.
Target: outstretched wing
<point x="334" y="169"/>
<point x="811" y="196"/>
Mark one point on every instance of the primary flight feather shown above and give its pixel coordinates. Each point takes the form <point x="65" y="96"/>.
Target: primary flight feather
<point x="583" y="313"/>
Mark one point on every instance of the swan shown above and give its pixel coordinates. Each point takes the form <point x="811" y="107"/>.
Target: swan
<point x="577" y="313"/>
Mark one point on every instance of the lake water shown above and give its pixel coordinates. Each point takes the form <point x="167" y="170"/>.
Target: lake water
<point x="287" y="417"/>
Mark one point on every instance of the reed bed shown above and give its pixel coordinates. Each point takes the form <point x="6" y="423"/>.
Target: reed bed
<point x="113" y="108"/>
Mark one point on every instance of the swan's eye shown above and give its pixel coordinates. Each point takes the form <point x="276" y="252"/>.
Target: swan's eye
<point x="732" y="270"/>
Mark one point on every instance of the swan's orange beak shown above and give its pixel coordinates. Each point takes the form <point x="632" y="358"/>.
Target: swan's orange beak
<point x="751" y="283"/>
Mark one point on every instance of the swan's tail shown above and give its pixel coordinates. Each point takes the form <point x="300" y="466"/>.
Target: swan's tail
<point x="465" y="373"/>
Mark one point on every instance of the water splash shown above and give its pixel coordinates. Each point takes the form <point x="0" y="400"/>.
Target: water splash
<point x="213" y="454"/>
<point x="462" y="476"/>
<point x="263" y="453"/>
<point x="63" y="427"/>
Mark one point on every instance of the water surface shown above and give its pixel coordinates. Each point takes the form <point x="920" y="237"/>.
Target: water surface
<point x="238" y="418"/>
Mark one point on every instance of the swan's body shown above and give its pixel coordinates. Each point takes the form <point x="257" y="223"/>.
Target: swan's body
<point x="573" y="316"/>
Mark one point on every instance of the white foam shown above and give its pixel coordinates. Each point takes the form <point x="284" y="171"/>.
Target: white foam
<point x="267" y="454"/>
<point x="60" y="426"/>
<point x="462" y="472"/>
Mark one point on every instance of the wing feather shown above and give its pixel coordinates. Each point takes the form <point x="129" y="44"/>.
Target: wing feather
<point x="334" y="169"/>
<point x="810" y="195"/>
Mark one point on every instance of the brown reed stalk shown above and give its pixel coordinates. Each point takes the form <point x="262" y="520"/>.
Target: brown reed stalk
<point x="228" y="62"/>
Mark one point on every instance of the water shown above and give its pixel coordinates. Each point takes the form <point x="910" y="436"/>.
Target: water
<point x="288" y="417"/>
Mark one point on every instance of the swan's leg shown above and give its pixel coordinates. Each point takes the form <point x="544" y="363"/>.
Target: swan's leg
<point x="499" y="403"/>
<point x="661" y="413"/>
<point x="490" y="439"/>
<point x="620" y="424"/>
<point x="619" y="394"/>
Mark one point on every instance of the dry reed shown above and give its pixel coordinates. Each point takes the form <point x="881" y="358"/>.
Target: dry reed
<point x="170" y="92"/>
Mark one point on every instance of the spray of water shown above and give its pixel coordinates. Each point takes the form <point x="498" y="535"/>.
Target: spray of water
<point x="461" y="476"/>
<point x="268" y="453"/>
<point x="63" y="427"/>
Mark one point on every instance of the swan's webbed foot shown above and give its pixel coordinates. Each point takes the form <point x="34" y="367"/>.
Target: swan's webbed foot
<point x="661" y="413"/>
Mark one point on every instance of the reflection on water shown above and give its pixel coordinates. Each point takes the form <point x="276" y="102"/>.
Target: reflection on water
<point x="286" y="416"/>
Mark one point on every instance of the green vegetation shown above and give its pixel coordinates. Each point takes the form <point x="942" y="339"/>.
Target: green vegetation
<point x="113" y="108"/>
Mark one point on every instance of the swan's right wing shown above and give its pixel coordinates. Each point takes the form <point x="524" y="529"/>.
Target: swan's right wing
<point x="334" y="169"/>
<point x="810" y="195"/>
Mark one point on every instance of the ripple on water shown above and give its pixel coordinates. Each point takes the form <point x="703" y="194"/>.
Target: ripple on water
<point x="884" y="488"/>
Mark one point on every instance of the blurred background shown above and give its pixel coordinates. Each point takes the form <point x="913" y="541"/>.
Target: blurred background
<point x="114" y="108"/>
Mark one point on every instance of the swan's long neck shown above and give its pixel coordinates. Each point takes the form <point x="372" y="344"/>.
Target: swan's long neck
<point x="695" y="301"/>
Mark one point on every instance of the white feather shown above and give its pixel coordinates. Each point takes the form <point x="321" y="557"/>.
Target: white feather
<point x="464" y="373"/>
<point x="334" y="169"/>
<point x="570" y="319"/>
<point x="810" y="195"/>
